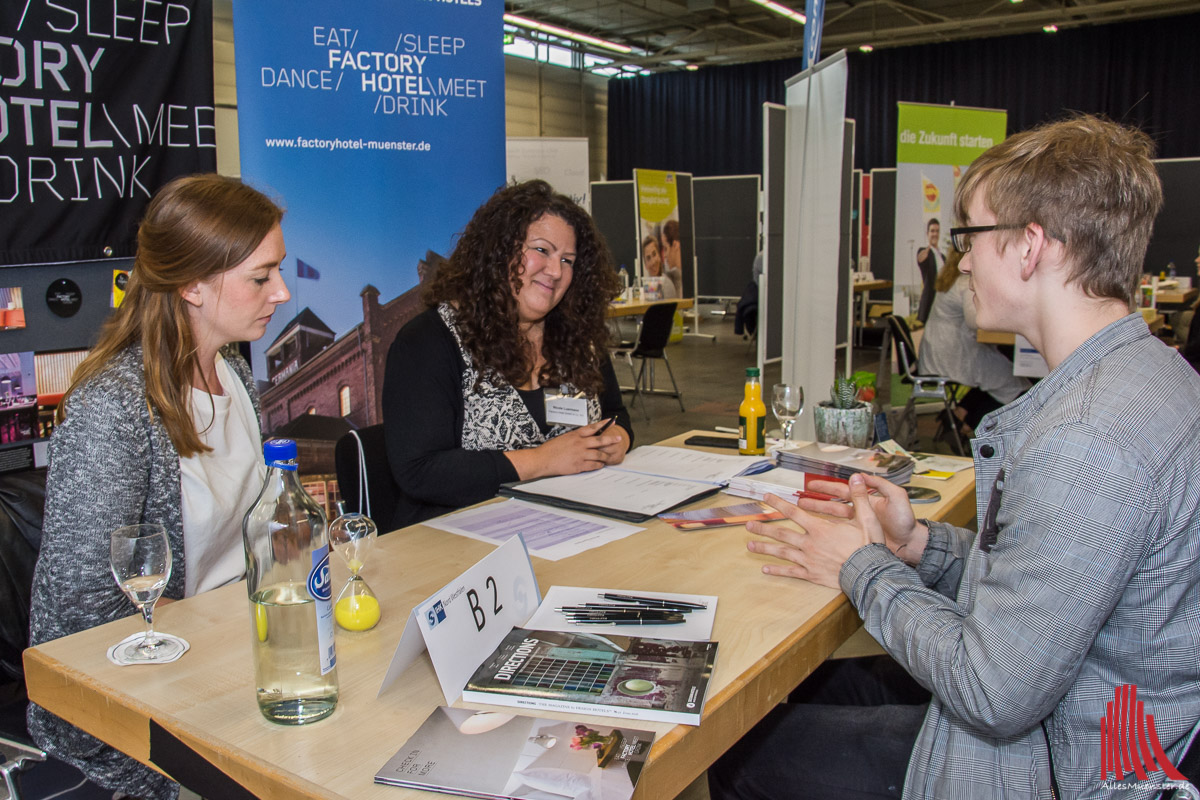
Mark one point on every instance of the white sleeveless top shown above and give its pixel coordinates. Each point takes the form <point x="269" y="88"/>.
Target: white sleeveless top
<point x="219" y="486"/>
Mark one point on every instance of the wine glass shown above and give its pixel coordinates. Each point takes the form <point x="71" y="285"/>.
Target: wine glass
<point x="140" y="558"/>
<point x="787" y="402"/>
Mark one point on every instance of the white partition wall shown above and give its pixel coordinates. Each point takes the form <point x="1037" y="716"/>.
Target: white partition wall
<point x="770" y="285"/>
<point x="816" y="110"/>
<point x="561" y="162"/>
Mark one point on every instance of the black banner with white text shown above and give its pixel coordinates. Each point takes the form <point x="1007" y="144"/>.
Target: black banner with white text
<point x="101" y="103"/>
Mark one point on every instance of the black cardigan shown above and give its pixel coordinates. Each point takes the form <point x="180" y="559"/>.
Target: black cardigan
<point x="423" y="420"/>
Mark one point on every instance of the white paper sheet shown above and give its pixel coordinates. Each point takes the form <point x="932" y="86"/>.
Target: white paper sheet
<point x="618" y="490"/>
<point x="1027" y="361"/>
<point x="698" y="627"/>
<point x="550" y="533"/>
<point x="688" y="464"/>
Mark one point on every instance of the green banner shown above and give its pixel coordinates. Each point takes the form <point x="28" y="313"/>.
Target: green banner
<point x="657" y="195"/>
<point x="952" y="135"/>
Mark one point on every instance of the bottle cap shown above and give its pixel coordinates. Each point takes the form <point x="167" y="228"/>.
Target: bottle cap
<point x="751" y="372"/>
<point x="279" y="452"/>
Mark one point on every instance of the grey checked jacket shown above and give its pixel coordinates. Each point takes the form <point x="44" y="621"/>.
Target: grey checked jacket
<point x="1093" y="582"/>
<point x="110" y="465"/>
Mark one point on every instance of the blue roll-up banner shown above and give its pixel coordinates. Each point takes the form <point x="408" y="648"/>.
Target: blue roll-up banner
<point x="814" y="14"/>
<point x="379" y="124"/>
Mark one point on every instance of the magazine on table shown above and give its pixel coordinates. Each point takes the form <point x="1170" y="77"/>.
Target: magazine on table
<point x="495" y="754"/>
<point x="820" y="458"/>
<point x="593" y="673"/>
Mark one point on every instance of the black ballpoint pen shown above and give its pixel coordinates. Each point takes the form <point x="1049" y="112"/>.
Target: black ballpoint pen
<point x="656" y="601"/>
<point x="628" y="622"/>
<point x="580" y="617"/>
<point x="597" y="607"/>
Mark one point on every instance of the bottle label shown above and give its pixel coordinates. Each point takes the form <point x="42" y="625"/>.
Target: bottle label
<point x="751" y="435"/>
<point x="320" y="586"/>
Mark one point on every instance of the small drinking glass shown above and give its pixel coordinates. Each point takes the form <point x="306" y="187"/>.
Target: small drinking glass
<point x="787" y="403"/>
<point x="140" y="557"/>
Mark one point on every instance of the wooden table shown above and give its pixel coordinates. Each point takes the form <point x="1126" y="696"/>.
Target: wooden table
<point x="773" y="633"/>
<point x="638" y="307"/>
<point x="1177" y="297"/>
<point x="1005" y="337"/>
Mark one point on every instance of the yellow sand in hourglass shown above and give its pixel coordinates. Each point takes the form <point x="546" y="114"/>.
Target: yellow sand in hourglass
<point x="352" y="536"/>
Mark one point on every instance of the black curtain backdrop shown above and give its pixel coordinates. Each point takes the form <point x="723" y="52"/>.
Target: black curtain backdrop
<point x="710" y="122"/>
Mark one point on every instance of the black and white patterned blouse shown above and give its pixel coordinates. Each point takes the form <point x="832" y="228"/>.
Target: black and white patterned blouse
<point x="495" y="416"/>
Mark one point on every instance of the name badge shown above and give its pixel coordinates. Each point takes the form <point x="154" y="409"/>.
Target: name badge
<point x="563" y="408"/>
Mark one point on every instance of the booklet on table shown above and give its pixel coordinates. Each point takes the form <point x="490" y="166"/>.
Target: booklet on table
<point x="495" y="754"/>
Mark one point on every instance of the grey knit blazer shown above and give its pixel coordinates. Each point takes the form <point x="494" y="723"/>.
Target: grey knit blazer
<point x="110" y="465"/>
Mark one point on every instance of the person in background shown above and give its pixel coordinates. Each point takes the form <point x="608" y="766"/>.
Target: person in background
<point x="652" y="261"/>
<point x="949" y="347"/>
<point x="518" y="309"/>
<point x="160" y="424"/>
<point x="673" y="254"/>
<point x="745" y="317"/>
<point x="930" y="261"/>
<point x="1007" y="647"/>
<point x="1191" y="347"/>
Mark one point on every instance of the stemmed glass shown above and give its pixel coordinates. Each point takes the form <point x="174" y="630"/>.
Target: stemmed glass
<point x="140" y="558"/>
<point x="787" y="403"/>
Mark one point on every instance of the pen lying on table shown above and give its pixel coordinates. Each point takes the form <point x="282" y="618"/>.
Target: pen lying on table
<point x="574" y="615"/>
<point x="628" y="622"/>
<point x="652" y="601"/>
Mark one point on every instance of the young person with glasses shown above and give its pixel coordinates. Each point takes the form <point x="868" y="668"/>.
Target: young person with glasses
<point x="1085" y="574"/>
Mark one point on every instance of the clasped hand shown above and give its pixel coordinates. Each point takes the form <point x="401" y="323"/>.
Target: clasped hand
<point x="579" y="450"/>
<point x="879" y="512"/>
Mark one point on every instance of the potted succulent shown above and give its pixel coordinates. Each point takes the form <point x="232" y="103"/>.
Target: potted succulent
<point x="844" y="418"/>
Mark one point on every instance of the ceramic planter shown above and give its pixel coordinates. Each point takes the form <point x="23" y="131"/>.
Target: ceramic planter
<point x="853" y="427"/>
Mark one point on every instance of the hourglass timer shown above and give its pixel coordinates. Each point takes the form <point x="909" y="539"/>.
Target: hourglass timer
<point x="352" y="536"/>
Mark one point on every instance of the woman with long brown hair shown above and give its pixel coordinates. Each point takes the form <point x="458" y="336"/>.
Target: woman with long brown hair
<point x="160" y="425"/>
<point x="518" y="309"/>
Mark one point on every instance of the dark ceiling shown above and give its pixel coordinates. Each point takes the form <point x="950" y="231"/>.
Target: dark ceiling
<point x="666" y="34"/>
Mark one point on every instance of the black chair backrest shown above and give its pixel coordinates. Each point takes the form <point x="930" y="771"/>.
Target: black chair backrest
<point x="906" y="350"/>
<point x="656" y="330"/>
<point x="22" y="501"/>
<point x="382" y="487"/>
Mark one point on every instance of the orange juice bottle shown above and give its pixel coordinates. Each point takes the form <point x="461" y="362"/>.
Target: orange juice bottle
<point x="752" y="417"/>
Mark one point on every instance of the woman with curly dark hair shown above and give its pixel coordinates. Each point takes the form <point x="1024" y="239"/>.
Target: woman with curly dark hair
<point x="516" y="311"/>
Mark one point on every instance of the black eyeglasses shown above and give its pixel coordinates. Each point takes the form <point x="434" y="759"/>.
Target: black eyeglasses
<point x="960" y="238"/>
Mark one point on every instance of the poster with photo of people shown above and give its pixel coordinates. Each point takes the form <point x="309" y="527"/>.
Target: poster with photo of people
<point x="661" y="245"/>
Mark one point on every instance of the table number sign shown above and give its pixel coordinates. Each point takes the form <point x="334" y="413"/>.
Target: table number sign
<point x="464" y="621"/>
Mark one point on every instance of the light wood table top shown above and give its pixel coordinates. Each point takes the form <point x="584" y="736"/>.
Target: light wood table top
<point x="1005" y="337"/>
<point x="639" y="307"/>
<point x="1177" y="297"/>
<point x="870" y="286"/>
<point x="773" y="632"/>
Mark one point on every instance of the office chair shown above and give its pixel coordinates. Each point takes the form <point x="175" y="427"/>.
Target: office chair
<point x="651" y="344"/>
<point x="933" y="387"/>
<point x="360" y="455"/>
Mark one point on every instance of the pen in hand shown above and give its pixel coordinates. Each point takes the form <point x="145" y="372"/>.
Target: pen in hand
<point x="607" y="424"/>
